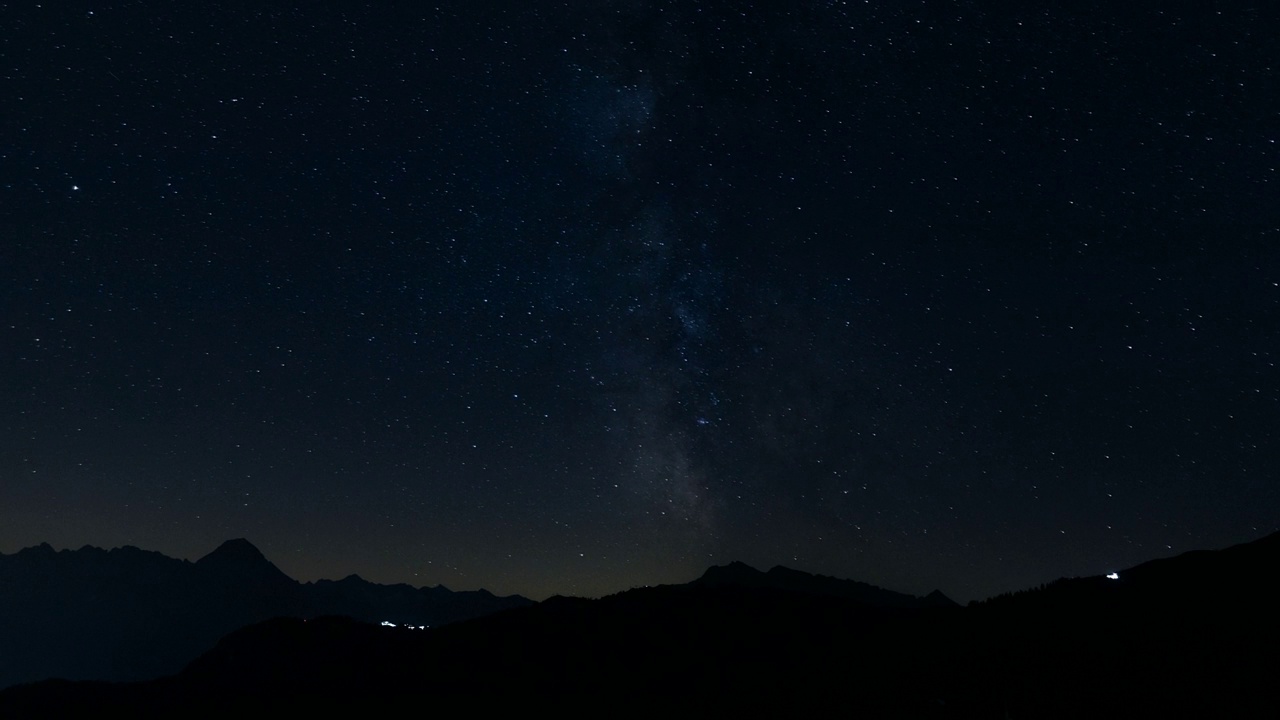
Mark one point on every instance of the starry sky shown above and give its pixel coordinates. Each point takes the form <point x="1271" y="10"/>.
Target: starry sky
<point x="571" y="297"/>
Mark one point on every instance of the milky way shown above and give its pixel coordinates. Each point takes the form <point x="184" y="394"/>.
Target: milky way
<point x="571" y="301"/>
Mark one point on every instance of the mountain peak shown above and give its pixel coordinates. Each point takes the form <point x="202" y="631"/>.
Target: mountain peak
<point x="238" y="550"/>
<point x="735" y="573"/>
<point x="239" y="561"/>
<point x="43" y="548"/>
<point x="938" y="599"/>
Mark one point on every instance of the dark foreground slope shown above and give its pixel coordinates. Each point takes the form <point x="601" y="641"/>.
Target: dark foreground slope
<point x="130" y="614"/>
<point x="1157" y="641"/>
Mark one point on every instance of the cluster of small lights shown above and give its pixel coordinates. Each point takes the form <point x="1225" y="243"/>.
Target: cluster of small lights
<point x="386" y="623"/>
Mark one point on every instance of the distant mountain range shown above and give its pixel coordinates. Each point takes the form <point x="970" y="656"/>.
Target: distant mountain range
<point x="1191" y="636"/>
<point x="130" y="614"/>
<point x="782" y="578"/>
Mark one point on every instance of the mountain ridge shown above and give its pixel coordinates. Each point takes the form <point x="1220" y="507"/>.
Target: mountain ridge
<point x="780" y="577"/>
<point x="1124" y="647"/>
<point x="55" y="599"/>
<point x="130" y="614"/>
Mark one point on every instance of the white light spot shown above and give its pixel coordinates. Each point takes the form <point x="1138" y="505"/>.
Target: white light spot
<point x="1113" y="576"/>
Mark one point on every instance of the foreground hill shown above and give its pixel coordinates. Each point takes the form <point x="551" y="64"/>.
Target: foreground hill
<point x="1183" y="637"/>
<point x="130" y="614"/>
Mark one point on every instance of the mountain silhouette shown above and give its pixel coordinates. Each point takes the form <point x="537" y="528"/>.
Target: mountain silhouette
<point x="241" y="557"/>
<point x="738" y="574"/>
<point x="1240" y="575"/>
<point x="130" y="614"/>
<point x="1181" y="637"/>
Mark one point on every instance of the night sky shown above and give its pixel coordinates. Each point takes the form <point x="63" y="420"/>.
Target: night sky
<point x="570" y="297"/>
